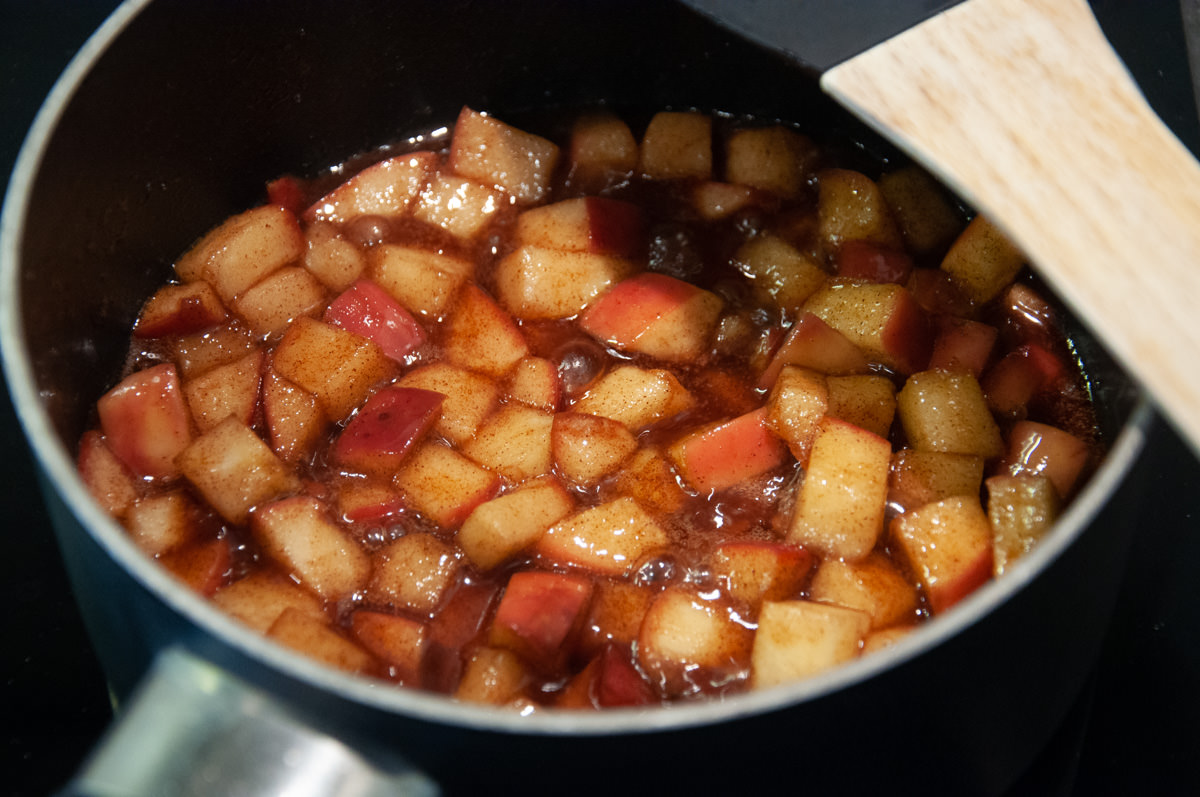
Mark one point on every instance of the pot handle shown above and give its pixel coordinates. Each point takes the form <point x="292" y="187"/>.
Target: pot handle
<point x="194" y="729"/>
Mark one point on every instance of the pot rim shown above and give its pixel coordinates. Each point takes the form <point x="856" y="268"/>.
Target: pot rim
<point x="59" y="468"/>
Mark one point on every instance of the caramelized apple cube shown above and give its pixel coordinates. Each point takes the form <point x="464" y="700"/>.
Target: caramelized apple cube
<point x="610" y="679"/>
<point x="811" y="343"/>
<point x="243" y="250"/>
<point x="615" y="615"/>
<point x="775" y="159"/>
<point x="798" y="639"/>
<point x="460" y="206"/>
<point x="295" y="420"/>
<point x="850" y="207"/>
<point x="387" y="188"/>
<point x="159" y="523"/>
<point x="1021" y="509"/>
<point x="514" y="442"/>
<point x="414" y="572"/>
<point x="982" y="261"/>
<point x="535" y="282"/>
<point x="962" y="344"/>
<point x="1039" y="448"/>
<point x="584" y="224"/>
<point x="587" y="448"/>
<point x="506" y="525"/>
<point x="868" y="262"/>
<point x="201" y="566"/>
<point x="367" y="310"/>
<point x="1019" y="377"/>
<point x="867" y="400"/>
<point x="480" y="335"/>
<point x="180" y="310"/>
<point x="493" y="676"/>
<point x="385" y="429"/>
<point x="602" y="152"/>
<point x="721" y="455"/>
<point x="677" y="144"/>
<point x="234" y="470"/>
<point x="366" y="501"/>
<point x="336" y="262"/>
<point x="637" y="397"/>
<point x="145" y="421"/>
<point x="422" y="280"/>
<point x="948" y="544"/>
<point x="872" y="585"/>
<point x="280" y="298"/>
<point x="927" y="219"/>
<point x="229" y="390"/>
<point x="493" y="152"/>
<point x="399" y="642"/>
<point x="686" y="636"/>
<point x="469" y="397"/>
<point x="258" y="599"/>
<point x="317" y="639"/>
<point x="534" y="381"/>
<point x="609" y="539"/>
<point x="648" y="478"/>
<point x="107" y="479"/>
<point x="946" y="411"/>
<point x="757" y="570"/>
<point x="713" y="201"/>
<point x="338" y="367"/>
<point x="797" y="402"/>
<point x="655" y="315"/>
<point x="299" y="535"/>
<point x="539" y="616"/>
<point x="778" y="272"/>
<point x="444" y="485"/>
<point x="921" y="477"/>
<point x="203" y="351"/>
<point x="882" y="320"/>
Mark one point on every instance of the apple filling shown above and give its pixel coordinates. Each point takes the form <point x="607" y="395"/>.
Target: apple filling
<point x="635" y="415"/>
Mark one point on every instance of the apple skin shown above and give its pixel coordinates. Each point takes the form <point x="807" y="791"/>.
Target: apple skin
<point x="538" y="614"/>
<point x="146" y="422"/>
<point x="622" y="314"/>
<point x="730" y="452"/>
<point x="863" y="260"/>
<point x="367" y="310"/>
<point x="386" y="428"/>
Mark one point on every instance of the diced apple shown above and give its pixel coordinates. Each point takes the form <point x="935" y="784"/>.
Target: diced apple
<point x="243" y="250"/>
<point x="779" y="273"/>
<point x="457" y="624"/>
<point x="587" y="448"/>
<point x="259" y="598"/>
<point x="536" y="282"/>
<point x="609" y="539"/>
<point x="338" y="367"/>
<point x="714" y="201"/>
<point x="948" y="545"/>
<point x="1021" y="509"/>
<point x="637" y="397"/>
<point x="202" y="566"/>
<point x="882" y="320"/>
<point x="727" y="453"/>
<point x="105" y="476"/>
<point x="493" y="676"/>
<point x="399" y="642"/>
<point x="884" y="638"/>
<point x="615" y="615"/>
<point x="385" y="429"/>
<point x="798" y="639"/>
<point x="677" y="144"/>
<point x="493" y="152"/>
<point x="539" y="616"/>
<point x="460" y="206"/>
<point x="1019" y="376"/>
<point x="145" y="421"/>
<point x="921" y="477"/>
<point x="798" y="400"/>
<point x="775" y="159"/>
<point x="332" y="259"/>
<point x="295" y="420"/>
<point x="962" y="344"/>
<point x="982" y="261"/>
<point x="299" y="535"/>
<point x="534" y="381"/>
<point x="367" y="310"/>
<point x="470" y="397"/>
<point x="480" y="335"/>
<point x="444" y="485"/>
<point x="609" y="680"/>
<point x="1039" y="448"/>
<point x="873" y="585"/>
<point x="180" y="310"/>
<point x="686" y="638"/>
<point x="584" y="224"/>
<point x="414" y="572"/>
<point x="317" y="639"/>
<point x="841" y="504"/>
<point x="868" y="401"/>
<point x="161" y="522"/>
<point x="504" y="526"/>
<point x="422" y="280"/>
<point x="655" y="315"/>
<point x="946" y="411"/>
<point x="938" y="294"/>
<point x="850" y="207"/>
<point x="927" y="219"/>
<point x="811" y="343"/>
<point x="203" y="351"/>
<point x="366" y="501"/>
<point x="387" y="188"/>
<point x="649" y="479"/>
<point x="234" y="470"/>
<point x="602" y="152"/>
<point x="287" y="193"/>
<point x="226" y="391"/>
<point x="757" y="570"/>
<point x="862" y="260"/>
<point x="514" y="442"/>
<point x="280" y="298"/>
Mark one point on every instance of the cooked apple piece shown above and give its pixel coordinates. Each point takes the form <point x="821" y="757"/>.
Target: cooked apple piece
<point x="602" y="152"/>
<point x="946" y="411"/>
<point x="587" y="448"/>
<point x="470" y="397"/>
<point x="460" y="206"/>
<point x="615" y="615"/>
<point x="1019" y="376"/>
<point x="655" y="315"/>
<point x="506" y="525"/>
<point x="539" y="616"/>
<point x="385" y="429"/>
<point x="872" y="585"/>
<point x="921" y="477"/>
<point x="726" y="453"/>
<point x="234" y="470"/>
<point x="948" y="545"/>
<point x="454" y="631"/>
<point x="868" y="401"/>
<point x="422" y="280"/>
<point x="317" y="639"/>
<point x="1021" y="510"/>
<point x="811" y="343"/>
<point x="414" y="572"/>
<point x="180" y="310"/>
<point x="295" y="420"/>
<point x="926" y="217"/>
<point x="937" y="293"/>
<point x="637" y="397"/>
<point x="1039" y="448"/>
<point x="338" y="367"/>
<point x="869" y="262"/>
<point x="202" y="566"/>
<point x="775" y="159"/>
<point x="534" y="381"/>
<point x="798" y="400"/>
<point x="280" y="298"/>
<point x="882" y="320"/>
<point x="366" y="501"/>
<point x="399" y="642"/>
<point x="798" y="639"/>
<point x="677" y="144"/>
<point x="243" y="250"/>
<point x="336" y="262"/>
<point x="367" y="310"/>
<point x="536" y="282"/>
<point x="609" y="680"/>
<point x="387" y="188"/>
<point x="493" y="152"/>
<point x="514" y="442"/>
<point x="159" y="523"/>
<point x="300" y="536"/>
<point x="444" y="485"/>
<point x="841" y="503"/>
<point x="779" y="273"/>
<point x="609" y="539"/>
<point x="884" y="638"/>
<point x="145" y="421"/>
<point x="584" y="224"/>
<point x="203" y="351"/>
<point x="480" y="335"/>
<point x="493" y="676"/>
<point x="686" y="638"/>
<point x="714" y="201"/>
<point x="982" y="261"/>
<point x="229" y="390"/>
<point x="260" y="597"/>
<point x="850" y="207"/>
<point x="960" y="344"/>
<point x="648" y="478"/>
<point x="286" y="192"/>
<point x="107" y="479"/>
<point x="757" y="570"/>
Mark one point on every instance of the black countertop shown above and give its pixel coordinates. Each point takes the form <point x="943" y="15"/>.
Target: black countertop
<point x="1135" y="731"/>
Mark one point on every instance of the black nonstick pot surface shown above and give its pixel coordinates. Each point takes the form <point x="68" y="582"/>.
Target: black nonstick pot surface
<point x="1135" y="730"/>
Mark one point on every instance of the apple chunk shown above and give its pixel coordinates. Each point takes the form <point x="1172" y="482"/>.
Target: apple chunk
<point x="1021" y="510"/>
<point x="540" y="282"/>
<point x="677" y="144"/>
<point x="380" y="434"/>
<point x="873" y="585"/>
<point x="234" y="470"/>
<point x="540" y="614"/>
<point x="946" y="411"/>
<point x="105" y="476"/>
<point x="504" y="526"/>
<point x="584" y="224"/>
<point x="367" y="310"/>
<point x="414" y="572"/>
<point x="398" y="641"/>
<point x="881" y="319"/>
<point x="387" y="188"/>
<point x="656" y="315"/>
<point x="180" y="310"/>
<point x="729" y="452"/>
<point x="146" y="422"/>
<point x="797" y="639"/>
<point x="686" y="638"/>
<point x="493" y="152"/>
<point x="587" y="448"/>
<point x="338" y="367"/>
<point x="469" y="397"/>
<point x="758" y="570"/>
<point x="243" y="250"/>
<point x="444" y="485"/>
<point x="637" y="397"/>
<point x="299" y="535"/>
<point x="609" y="539"/>
<point x="480" y="335"/>
<point x="948" y="544"/>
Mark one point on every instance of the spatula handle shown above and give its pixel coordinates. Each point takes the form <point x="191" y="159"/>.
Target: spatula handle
<point x="1023" y="108"/>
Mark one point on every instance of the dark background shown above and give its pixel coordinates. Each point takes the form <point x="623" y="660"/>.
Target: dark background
<point x="1135" y="731"/>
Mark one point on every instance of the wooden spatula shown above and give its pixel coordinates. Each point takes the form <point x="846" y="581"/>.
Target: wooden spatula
<point x="1023" y="108"/>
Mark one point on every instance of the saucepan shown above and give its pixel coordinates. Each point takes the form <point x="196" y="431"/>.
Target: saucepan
<point x="173" y="117"/>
